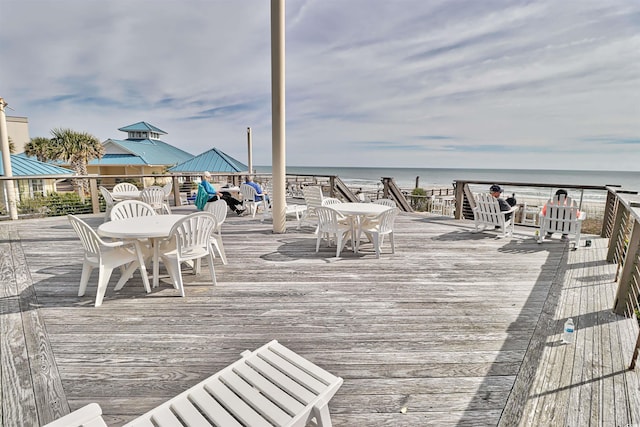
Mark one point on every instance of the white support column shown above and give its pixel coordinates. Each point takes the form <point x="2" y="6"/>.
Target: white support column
<point x="6" y="163"/>
<point x="278" y="138"/>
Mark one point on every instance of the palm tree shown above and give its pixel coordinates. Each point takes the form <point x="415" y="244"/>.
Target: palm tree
<point x="40" y="148"/>
<point x="78" y="149"/>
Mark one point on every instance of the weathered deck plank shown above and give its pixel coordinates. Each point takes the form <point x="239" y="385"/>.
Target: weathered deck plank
<point x="455" y="327"/>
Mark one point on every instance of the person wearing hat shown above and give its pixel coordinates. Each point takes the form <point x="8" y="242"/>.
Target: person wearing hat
<point x="214" y="195"/>
<point x="496" y="192"/>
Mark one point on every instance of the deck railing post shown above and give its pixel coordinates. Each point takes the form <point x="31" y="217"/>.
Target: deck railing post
<point x="95" y="198"/>
<point x="625" y="278"/>
<point x="608" y="212"/>
<point x="616" y="231"/>
<point x="459" y="194"/>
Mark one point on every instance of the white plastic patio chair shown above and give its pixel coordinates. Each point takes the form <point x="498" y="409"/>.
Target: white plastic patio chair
<point x="313" y="199"/>
<point x="109" y="202"/>
<point x="106" y="256"/>
<point x="249" y="194"/>
<point x="329" y="225"/>
<point x="378" y="227"/>
<point x="130" y="209"/>
<point x="219" y="210"/>
<point x="154" y="196"/>
<point x="189" y="239"/>
<point x="167" y="188"/>
<point x="327" y="201"/>
<point x="124" y="187"/>
<point x="385" y="202"/>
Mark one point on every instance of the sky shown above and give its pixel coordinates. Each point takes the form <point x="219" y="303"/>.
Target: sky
<point x="379" y="83"/>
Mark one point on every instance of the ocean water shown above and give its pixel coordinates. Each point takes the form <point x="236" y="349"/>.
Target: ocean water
<point x="368" y="178"/>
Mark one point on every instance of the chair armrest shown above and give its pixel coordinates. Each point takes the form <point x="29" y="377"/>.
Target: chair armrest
<point x="512" y="210"/>
<point x="582" y="216"/>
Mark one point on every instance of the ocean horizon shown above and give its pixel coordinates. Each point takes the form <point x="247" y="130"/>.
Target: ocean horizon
<point x="429" y="178"/>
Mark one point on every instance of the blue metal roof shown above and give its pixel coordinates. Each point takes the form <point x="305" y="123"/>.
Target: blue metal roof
<point x="143" y="152"/>
<point x="213" y="160"/>
<point x="142" y="127"/>
<point x="25" y="166"/>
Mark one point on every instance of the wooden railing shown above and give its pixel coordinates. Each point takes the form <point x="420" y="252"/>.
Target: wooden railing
<point x="624" y="250"/>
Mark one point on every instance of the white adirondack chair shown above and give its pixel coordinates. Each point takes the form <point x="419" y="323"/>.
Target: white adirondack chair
<point x="189" y="240"/>
<point x="106" y="256"/>
<point x="487" y="213"/>
<point x="123" y="187"/>
<point x="561" y="216"/>
<point x="330" y="226"/>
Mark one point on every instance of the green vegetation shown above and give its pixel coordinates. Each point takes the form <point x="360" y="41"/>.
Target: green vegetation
<point x="419" y="199"/>
<point x="54" y="204"/>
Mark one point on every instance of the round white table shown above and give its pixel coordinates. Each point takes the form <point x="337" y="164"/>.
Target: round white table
<point x="142" y="227"/>
<point x="356" y="211"/>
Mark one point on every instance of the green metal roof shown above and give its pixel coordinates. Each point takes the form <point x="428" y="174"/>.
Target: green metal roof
<point x="213" y="160"/>
<point x="143" y="152"/>
<point x="142" y="127"/>
<point x="24" y="166"/>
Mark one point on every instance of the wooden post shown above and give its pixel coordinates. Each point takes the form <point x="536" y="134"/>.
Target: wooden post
<point x="95" y="195"/>
<point x="625" y="278"/>
<point x="616" y="230"/>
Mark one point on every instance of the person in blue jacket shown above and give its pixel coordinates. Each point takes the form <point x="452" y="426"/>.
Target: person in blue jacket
<point x="258" y="189"/>
<point x="214" y="195"/>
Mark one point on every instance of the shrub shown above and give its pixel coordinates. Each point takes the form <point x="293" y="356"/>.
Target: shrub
<point x="419" y="199"/>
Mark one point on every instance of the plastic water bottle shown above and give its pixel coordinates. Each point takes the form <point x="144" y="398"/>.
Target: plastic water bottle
<point x="569" y="330"/>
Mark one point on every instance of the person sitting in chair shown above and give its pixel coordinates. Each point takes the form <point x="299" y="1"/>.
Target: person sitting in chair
<point x="258" y="189"/>
<point x="559" y="194"/>
<point x="214" y="195"/>
<point x="496" y="192"/>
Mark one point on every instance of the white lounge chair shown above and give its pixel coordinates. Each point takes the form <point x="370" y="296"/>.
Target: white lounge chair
<point x="87" y="416"/>
<point x="487" y="213"/>
<point x="268" y="386"/>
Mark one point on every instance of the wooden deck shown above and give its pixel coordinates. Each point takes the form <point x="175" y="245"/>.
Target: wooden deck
<point x="456" y="328"/>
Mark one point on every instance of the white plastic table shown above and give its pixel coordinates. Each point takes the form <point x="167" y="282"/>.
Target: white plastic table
<point x="356" y="211"/>
<point x="142" y="227"/>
